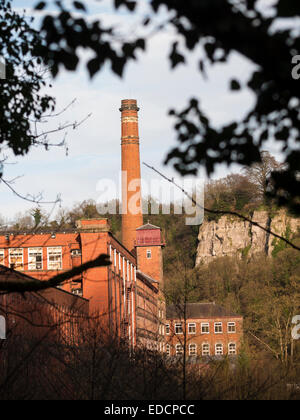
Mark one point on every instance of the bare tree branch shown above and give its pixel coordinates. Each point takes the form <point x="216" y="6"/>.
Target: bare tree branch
<point x="33" y="285"/>
<point x="223" y="212"/>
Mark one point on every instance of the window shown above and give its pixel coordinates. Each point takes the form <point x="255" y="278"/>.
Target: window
<point x="35" y="258"/>
<point x="149" y="254"/>
<point x="193" y="350"/>
<point x="178" y="329"/>
<point x="77" y="292"/>
<point x="16" y="259"/>
<point x="76" y="253"/>
<point x="168" y="349"/>
<point x="179" y="349"/>
<point x="219" y="349"/>
<point x="205" y="349"/>
<point x="218" y="328"/>
<point x="2" y="256"/>
<point x="231" y="348"/>
<point x="192" y="328"/>
<point x="55" y="258"/>
<point x="167" y="329"/>
<point x="204" y="328"/>
<point x="231" y="327"/>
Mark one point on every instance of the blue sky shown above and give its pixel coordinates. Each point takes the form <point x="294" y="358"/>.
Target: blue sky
<point x="94" y="149"/>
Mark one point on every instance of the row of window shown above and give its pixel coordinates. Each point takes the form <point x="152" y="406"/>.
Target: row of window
<point x="204" y="328"/>
<point x="205" y="351"/>
<point x="122" y="265"/>
<point x="35" y="258"/>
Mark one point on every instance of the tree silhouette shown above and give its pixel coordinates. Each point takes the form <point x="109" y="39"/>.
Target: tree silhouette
<point x="220" y="27"/>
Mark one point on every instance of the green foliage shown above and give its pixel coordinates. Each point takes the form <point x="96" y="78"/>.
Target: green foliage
<point x="280" y="245"/>
<point x="245" y="251"/>
<point x="221" y="27"/>
<point x="178" y="237"/>
<point x="21" y="97"/>
<point x="266" y="291"/>
<point x="232" y="193"/>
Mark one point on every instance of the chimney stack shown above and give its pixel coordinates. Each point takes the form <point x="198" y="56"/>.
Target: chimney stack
<point x="132" y="217"/>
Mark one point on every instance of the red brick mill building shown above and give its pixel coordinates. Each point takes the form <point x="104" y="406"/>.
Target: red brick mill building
<point x="126" y="295"/>
<point x="205" y="330"/>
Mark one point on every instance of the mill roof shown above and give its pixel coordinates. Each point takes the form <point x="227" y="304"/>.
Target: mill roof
<point x="148" y="226"/>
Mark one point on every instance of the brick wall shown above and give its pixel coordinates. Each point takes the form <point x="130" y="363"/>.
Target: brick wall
<point x="193" y="334"/>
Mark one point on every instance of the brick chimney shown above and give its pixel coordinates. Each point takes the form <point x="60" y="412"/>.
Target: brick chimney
<point x="93" y="225"/>
<point x="132" y="217"/>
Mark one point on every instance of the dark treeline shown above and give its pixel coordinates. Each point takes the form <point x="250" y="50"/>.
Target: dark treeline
<point x="101" y="368"/>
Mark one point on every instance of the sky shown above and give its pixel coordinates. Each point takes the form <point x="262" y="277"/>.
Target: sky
<point x="94" y="149"/>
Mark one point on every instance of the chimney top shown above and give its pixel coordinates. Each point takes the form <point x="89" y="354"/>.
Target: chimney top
<point x="129" y="105"/>
<point x="93" y="225"/>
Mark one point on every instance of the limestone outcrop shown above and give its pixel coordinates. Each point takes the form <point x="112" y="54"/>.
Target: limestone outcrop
<point x="231" y="236"/>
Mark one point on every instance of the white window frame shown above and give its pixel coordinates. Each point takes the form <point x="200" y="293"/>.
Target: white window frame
<point x="205" y="352"/>
<point x="231" y="352"/>
<point x="2" y="256"/>
<point x="193" y="345"/>
<point x="231" y="325"/>
<point x="11" y="250"/>
<point x="205" y="325"/>
<point x="167" y="329"/>
<point x="76" y="253"/>
<point x="191" y="324"/>
<point x="34" y="250"/>
<point x="179" y="352"/>
<point x="149" y="254"/>
<point x="216" y="325"/>
<point x="178" y="325"/>
<point x="48" y="258"/>
<point x="217" y="352"/>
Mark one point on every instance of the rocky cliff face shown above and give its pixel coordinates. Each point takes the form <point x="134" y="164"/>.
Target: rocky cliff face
<point x="230" y="236"/>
